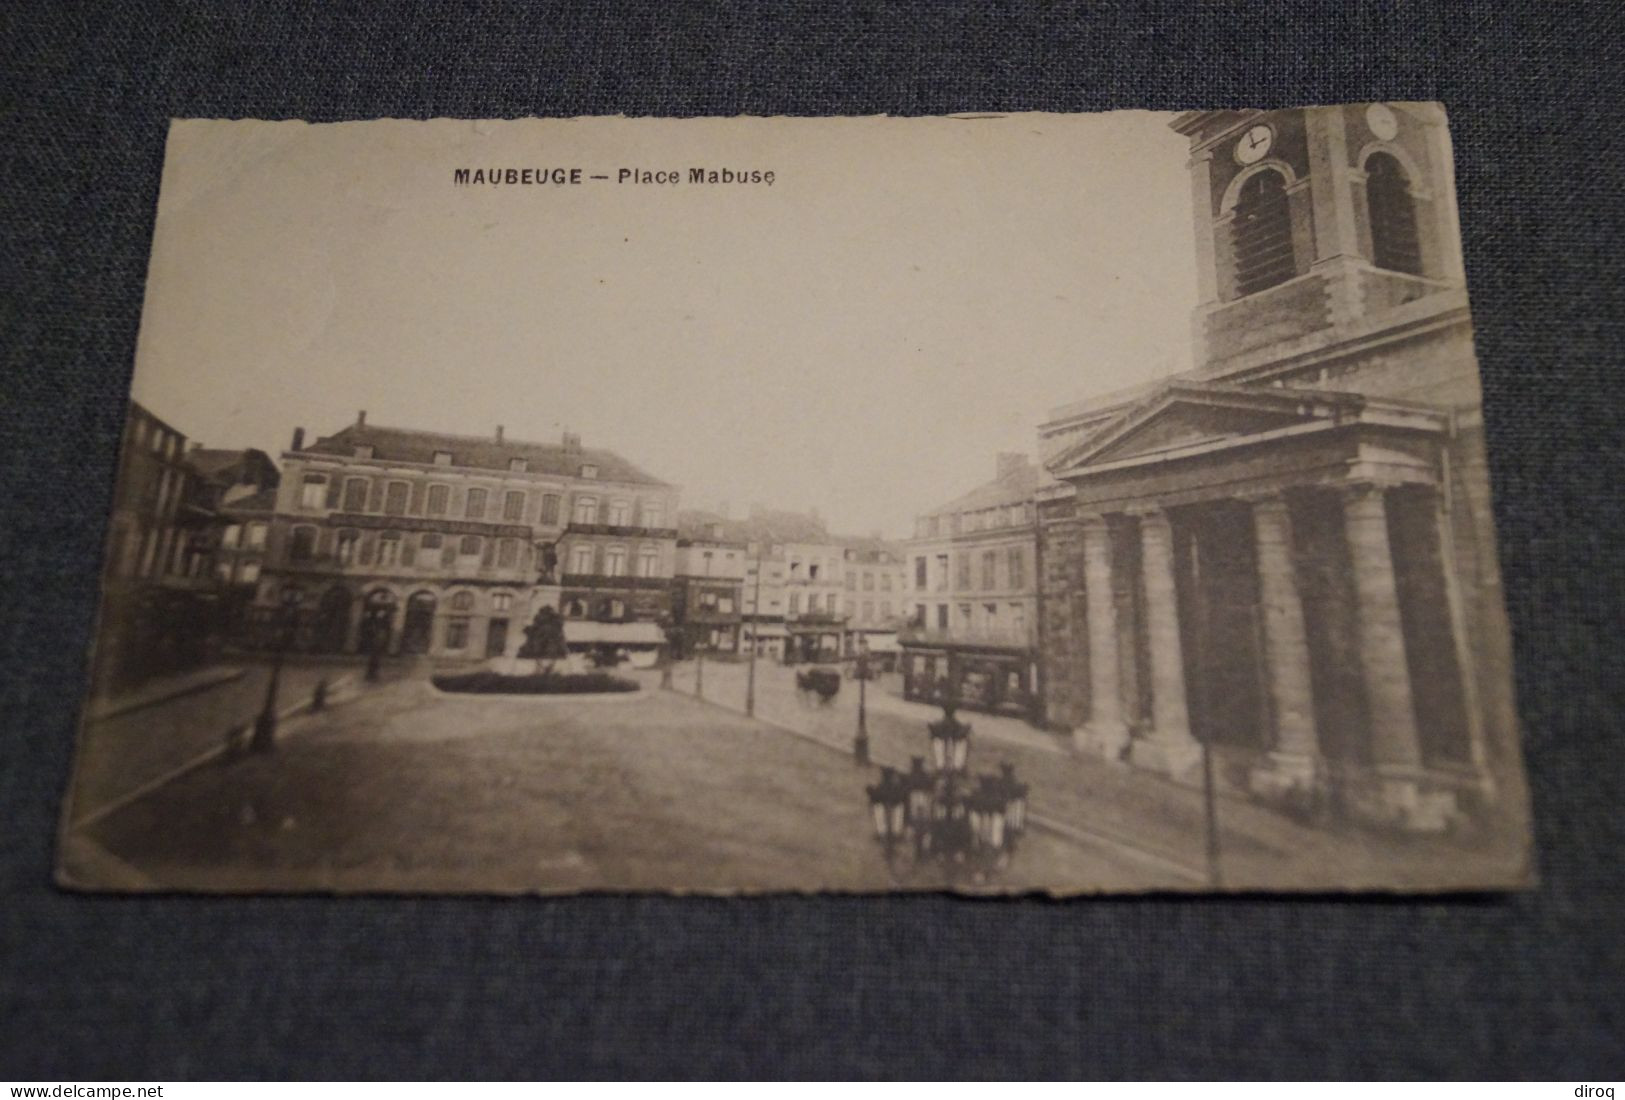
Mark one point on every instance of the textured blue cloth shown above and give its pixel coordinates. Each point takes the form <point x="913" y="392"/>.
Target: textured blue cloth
<point x="1529" y="985"/>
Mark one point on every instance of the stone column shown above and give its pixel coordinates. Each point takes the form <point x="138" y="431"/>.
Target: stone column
<point x="1168" y="747"/>
<point x="1105" y="733"/>
<point x="1293" y="759"/>
<point x="1396" y="747"/>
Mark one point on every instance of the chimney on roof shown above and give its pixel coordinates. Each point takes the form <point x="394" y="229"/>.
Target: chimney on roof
<point x="499" y="433"/>
<point x="1011" y="462"/>
<point x="298" y="443"/>
<point x="194" y="446"/>
<point x="572" y="443"/>
<point x="361" y="418"/>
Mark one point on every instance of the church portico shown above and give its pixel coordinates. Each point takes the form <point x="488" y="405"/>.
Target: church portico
<point x="1263" y="574"/>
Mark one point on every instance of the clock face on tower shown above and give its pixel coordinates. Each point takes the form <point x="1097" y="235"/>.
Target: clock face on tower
<point x="1255" y="144"/>
<point x="1382" y="122"/>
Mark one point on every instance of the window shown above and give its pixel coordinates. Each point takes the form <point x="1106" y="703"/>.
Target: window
<point x="920" y="583"/>
<point x="550" y="509"/>
<point x="795" y="603"/>
<point x="868" y="611"/>
<point x="229" y="537"/>
<point x="469" y="547"/>
<point x="355" y="494"/>
<point x="462" y="601"/>
<point x="965" y="616"/>
<point x="851" y="580"/>
<point x="962" y="572"/>
<point x="615" y="561"/>
<point x="456" y="633"/>
<point x="363" y="450"/>
<point x="649" y="562"/>
<point x="620" y="513"/>
<point x="868" y="582"/>
<point x="1261" y="234"/>
<point x="575" y="609"/>
<point x="1018" y="567"/>
<point x="885" y="609"/>
<point x="517" y="465"/>
<point x="725" y="604"/>
<point x="933" y="526"/>
<point x="255" y="536"/>
<point x="812" y="570"/>
<point x="302" y="547"/>
<point x="942" y="572"/>
<point x="990" y="570"/>
<point x="1018" y="617"/>
<point x="389" y="548"/>
<point x="347" y="546"/>
<point x="476" y="504"/>
<point x="589" y="471"/>
<point x="513" y="507"/>
<point x="439" y="499"/>
<point x="586" y="511"/>
<point x="501" y="601"/>
<point x="442" y="458"/>
<point x="249" y="573"/>
<point x="885" y="582"/>
<point x="616" y="609"/>
<point x="654" y="514"/>
<point x="313" y="492"/>
<point x="395" y="498"/>
<point x="942" y="616"/>
<point x="430" y="540"/>
<point x="1394" y="243"/>
<point x="508" y="553"/>
<point x="581" y="559"/>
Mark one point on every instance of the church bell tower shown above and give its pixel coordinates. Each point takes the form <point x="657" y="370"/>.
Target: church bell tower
<point x="1314" y="223"/>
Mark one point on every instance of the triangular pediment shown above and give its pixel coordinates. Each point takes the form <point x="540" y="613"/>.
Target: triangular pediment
<point x="1185" y="415"/>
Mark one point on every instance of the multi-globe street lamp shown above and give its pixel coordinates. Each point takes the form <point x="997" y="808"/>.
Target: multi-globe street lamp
<point x="938" y="818"/>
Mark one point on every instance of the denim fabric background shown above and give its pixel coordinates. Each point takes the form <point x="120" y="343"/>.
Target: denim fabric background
<point x="1531" y="985"/>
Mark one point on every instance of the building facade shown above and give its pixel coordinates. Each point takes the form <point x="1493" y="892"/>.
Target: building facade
<point x="972" y="596"/>
<point x="875" y="578"/>
<point x="707" y="592"/>
<point x="1287" y="554"/>
<point x="161" y="609"/>
<point x="418" y="542"/>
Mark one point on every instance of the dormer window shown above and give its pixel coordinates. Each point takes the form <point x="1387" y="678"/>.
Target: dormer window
<point x="588" y="470"/>
<point x="517" y="465"/>
<point x="364" y="450"/>
<point x="442" y="458"/>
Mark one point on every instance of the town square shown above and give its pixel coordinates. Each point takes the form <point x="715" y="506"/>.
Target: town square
<point x="1233" y="625"/>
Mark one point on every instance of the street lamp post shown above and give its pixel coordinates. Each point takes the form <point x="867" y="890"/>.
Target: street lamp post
<point x="755" y="638"/>
<point x="699" y="671"/>
<point x="264" y="739"/>
<point x="860" y="741"/>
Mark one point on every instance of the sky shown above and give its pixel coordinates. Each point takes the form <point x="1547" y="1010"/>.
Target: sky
<point x="908" y="298"/>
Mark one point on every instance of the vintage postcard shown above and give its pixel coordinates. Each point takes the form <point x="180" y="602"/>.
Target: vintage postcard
<point x="1061" y="503"/>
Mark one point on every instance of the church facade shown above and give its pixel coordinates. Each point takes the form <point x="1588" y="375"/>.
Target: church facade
<point x="1286" y="555"/>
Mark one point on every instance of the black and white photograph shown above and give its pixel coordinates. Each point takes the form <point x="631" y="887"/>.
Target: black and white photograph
<point x="1070" y="504"/>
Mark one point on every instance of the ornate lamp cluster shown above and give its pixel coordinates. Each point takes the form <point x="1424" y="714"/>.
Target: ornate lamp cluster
<point x="938" y="817"/>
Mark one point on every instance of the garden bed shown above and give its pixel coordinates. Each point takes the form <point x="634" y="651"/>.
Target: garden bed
<point x="486" y="682"/>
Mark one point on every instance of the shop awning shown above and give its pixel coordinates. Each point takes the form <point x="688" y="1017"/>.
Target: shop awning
<point x="582" y="632"/>
<point x="764" y="630"/>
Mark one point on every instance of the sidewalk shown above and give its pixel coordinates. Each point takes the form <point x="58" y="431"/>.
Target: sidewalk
<point x="159" y="690"/>
<point x="174" y="724"/>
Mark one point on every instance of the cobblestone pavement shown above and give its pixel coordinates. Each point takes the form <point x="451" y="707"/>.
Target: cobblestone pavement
<point x="1120" y="808"/>
<point x="119" y="755"/>
<point x="402" y="788"/>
